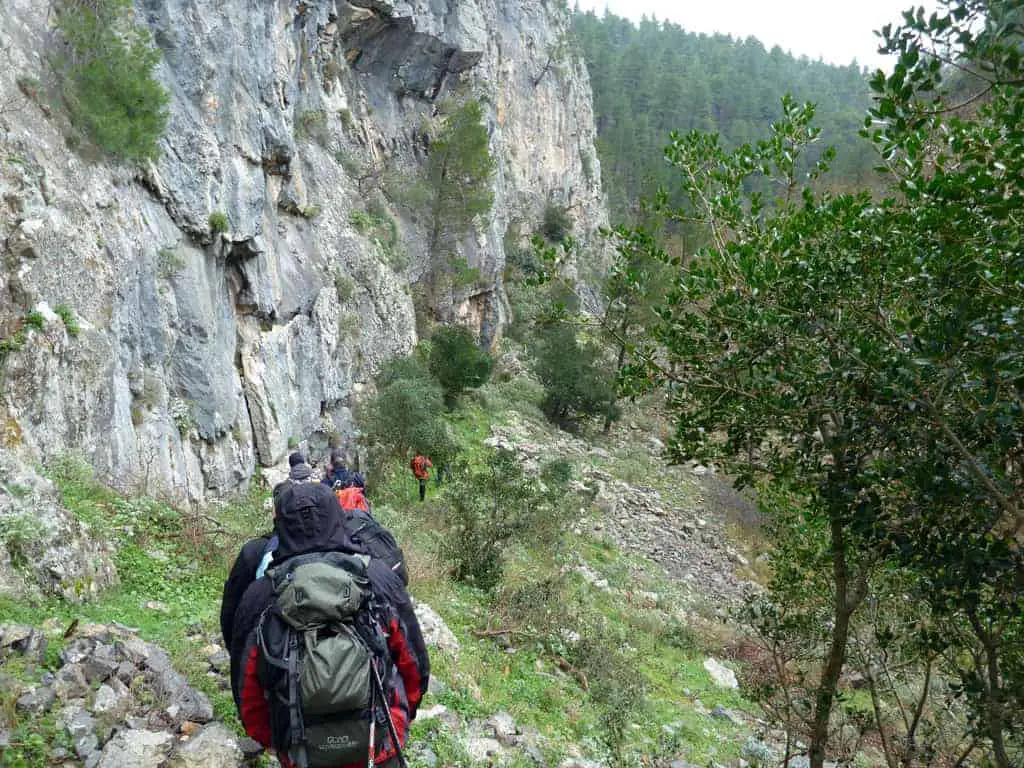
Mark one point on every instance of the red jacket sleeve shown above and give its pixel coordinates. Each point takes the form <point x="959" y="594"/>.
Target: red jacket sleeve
<point x="408" y="669"/>
<point x="255" y="710"/>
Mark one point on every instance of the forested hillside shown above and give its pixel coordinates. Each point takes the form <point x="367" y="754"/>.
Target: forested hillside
<point x="655" y="77"/>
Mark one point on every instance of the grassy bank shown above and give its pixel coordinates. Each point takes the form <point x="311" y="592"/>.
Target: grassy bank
<point x="524" y="647"/>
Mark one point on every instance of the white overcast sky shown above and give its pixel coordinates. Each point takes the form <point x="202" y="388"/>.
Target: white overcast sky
<point x="835" y="30"/>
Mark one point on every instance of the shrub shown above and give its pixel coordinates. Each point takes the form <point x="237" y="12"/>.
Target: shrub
<point x="35" y="319"/>
<point x="17" y="535"/>
<point x="576" y="383"/>
<point x="106" y="74"/>
<point x="492" y="506"/>
<point x="312" y="124"/>
<point x="29" y="86"/>
<point x="344" y="286"/>
<point x="556" y="225"/>
<point x="218" y="222"/>
<point x="457" y="361"/>
<point x="377" y="224"/>
<point x="405" y="416"/>
<point x="169" y="262"/>
<point x="65" y="313"/>
<point x="615" y="680"/>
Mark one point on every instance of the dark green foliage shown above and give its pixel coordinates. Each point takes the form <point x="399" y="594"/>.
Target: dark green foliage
<point x="556" y="225"/>
<point x="457" y="361"/>
<point x="35" y="320"/>
<point x="578" y="381"/>
<point x="106" y="74"/>
<point x="405" y="417"/>
<point x="865" y="354"/>
<point x="655" y="77"/>
<point x="491" y="506"/>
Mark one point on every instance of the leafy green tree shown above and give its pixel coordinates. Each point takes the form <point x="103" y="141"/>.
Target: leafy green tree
<point x="404" y="418"/>
<point x="106" y="69"/>
<point x="458" y="186"/>
<point x="866" y="353"/>
<point x="631" y="290"/>
<point x="576" y="377"/>
<point x="457" y="361"/>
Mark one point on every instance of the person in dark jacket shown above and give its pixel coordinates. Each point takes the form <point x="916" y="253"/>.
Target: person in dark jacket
<point x="337" y="475"/>
<point x="309" y="519"/>
<point x="243" y="573"/>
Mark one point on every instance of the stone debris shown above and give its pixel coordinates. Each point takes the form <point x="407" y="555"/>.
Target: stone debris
<point x="722" y="676"/>
<point x="435" y="632"/>
<point x="690" y="543"/>
<point x="123" y="704"/>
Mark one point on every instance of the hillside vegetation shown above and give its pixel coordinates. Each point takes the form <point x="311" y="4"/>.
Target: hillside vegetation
<point x="652" y="78"/>
<point x="846" y="357"/>
<point x="592" y="650"/>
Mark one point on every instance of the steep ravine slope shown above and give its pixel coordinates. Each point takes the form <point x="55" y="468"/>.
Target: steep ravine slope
<point x="203" y="354"/>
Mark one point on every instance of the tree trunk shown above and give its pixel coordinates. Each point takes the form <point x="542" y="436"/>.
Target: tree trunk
<point x="611" y="403"/>
<point x="844" y="605"/>
<point x="618" y="367"/>
<point x="993" y="694"/>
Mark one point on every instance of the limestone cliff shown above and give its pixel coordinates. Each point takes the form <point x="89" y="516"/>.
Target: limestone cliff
<point x="201" y="354"/>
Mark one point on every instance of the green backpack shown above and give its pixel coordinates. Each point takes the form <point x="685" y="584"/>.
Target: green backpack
<point x="322" y="660"/>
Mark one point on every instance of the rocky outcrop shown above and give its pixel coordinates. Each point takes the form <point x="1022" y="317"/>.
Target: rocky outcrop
<point x="683" y="534"/>
<point x="193" y="318"/>
<point x="120" y="701"/>
<point x="44" y="550"/>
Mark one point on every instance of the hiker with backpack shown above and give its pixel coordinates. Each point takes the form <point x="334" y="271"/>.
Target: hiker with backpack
<point x="252" y="562"/>
<point x="420" y="466"/>
<point x="368" y="533"/>
<point x="328" y="661"/>
<point x="337" y="475"/>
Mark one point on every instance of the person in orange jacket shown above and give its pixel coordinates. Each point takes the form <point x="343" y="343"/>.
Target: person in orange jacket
<point x="420" y="466"/>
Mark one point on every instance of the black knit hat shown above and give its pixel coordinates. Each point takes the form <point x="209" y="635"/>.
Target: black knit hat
<point x="297" y="458"/>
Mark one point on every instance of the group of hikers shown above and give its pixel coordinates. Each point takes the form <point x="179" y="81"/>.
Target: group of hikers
<point x="328" y="663"/>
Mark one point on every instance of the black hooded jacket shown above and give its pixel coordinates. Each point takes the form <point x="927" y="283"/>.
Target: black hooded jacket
<point x="309" y="519"/>
<point x="243" y="573"/>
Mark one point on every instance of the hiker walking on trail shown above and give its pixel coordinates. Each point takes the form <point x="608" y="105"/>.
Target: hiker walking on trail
<point x="251" y="564"/>
<point x="245" y="570"/>
<point x="337" y="475"/>
<point x="299" y="470"/>
<point x="420" y="466"/>
<point x="331" y="664"/>
<point x="368" y="533"/>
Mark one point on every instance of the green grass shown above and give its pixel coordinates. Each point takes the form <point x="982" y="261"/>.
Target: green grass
<point x="168" y="555"/>
<point x="163" y="555"/>
<point x="31" y="739"/>
<point x="528" y="684"/>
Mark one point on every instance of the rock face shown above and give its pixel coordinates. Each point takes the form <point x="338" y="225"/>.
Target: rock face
<point x="178" y="355"/>
<point x="687" y="539"/>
